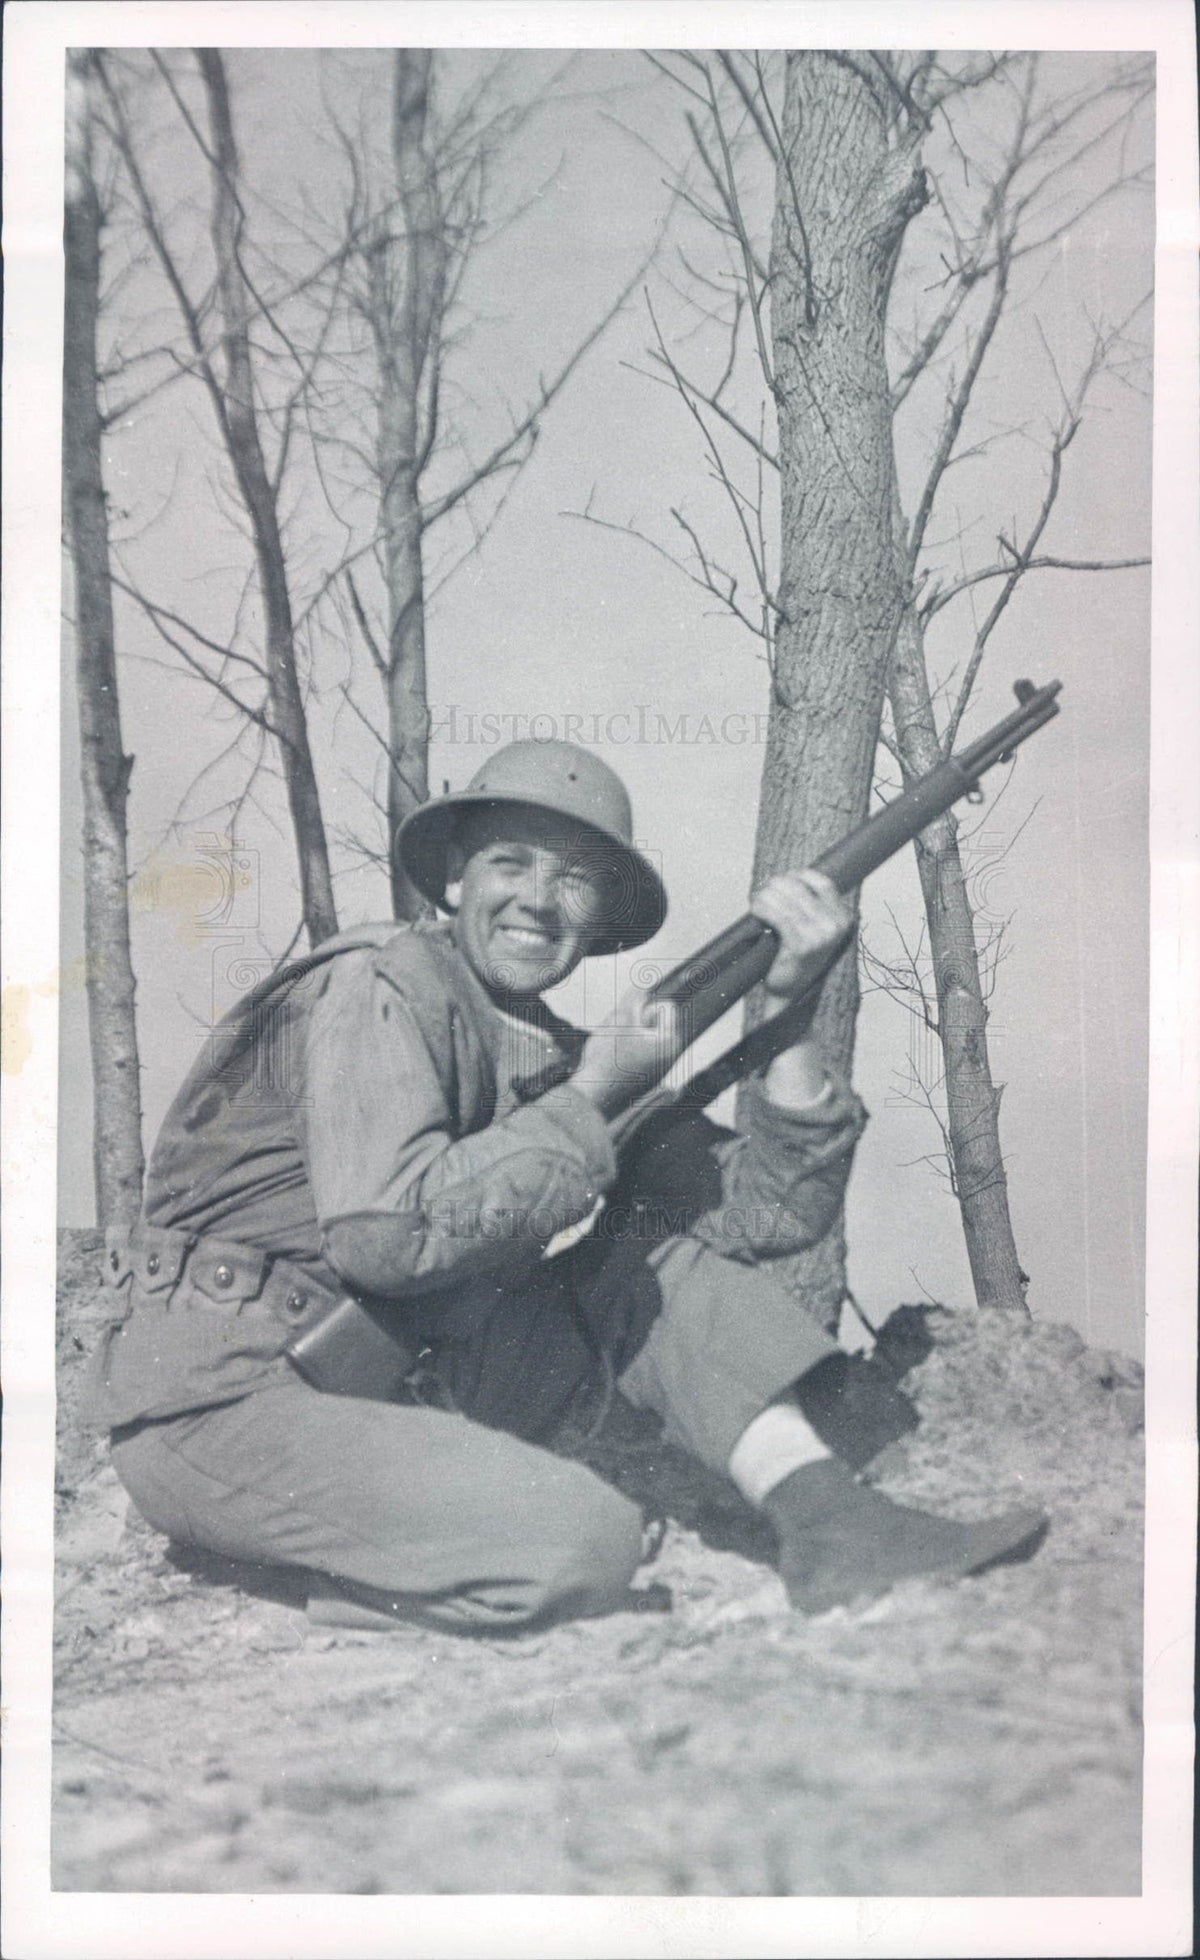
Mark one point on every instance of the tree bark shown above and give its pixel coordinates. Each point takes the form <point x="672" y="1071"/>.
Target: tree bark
<point x="847" y="185"/>
<point x="243" y="443"/>
<point x="972" y="1099"/>
<point x="407" y="285"/>
<point x="118" y="1162"/>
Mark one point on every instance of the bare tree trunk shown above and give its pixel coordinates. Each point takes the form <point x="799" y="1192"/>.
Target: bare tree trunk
<point x="972" y="1099"/>
<point x="407" y="276"/>
<point x="241" y="435"/>
<point x="104" y="767"/>
<point x="847" y="185"/>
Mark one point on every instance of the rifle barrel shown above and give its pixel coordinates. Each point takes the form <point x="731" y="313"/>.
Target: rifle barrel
<point x="1038" y="706"/>
<point x="725" y="969"/>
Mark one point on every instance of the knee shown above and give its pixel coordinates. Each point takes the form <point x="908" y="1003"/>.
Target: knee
<point x="145" y="1471"/>
<point x="586" y="1566"/>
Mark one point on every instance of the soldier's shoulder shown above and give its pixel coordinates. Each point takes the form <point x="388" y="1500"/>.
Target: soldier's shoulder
<point x="421" y="955"/>
<point x="420" y="963"/>
<point x="374" y="964"/>
<point x="406" y="955"/>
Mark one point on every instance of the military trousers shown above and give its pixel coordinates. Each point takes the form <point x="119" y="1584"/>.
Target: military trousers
<point x="458" y="1515"/>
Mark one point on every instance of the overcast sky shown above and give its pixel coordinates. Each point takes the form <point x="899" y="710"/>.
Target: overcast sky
<point x="556" y="618"/>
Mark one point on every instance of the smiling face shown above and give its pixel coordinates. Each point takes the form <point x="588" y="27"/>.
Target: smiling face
<point x="531" y="897"/>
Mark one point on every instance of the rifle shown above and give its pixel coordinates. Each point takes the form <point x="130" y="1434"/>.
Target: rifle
<point x="724" y="970"/>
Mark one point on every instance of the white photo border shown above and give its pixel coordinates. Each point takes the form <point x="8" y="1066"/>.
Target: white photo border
<point x="41" y="1925"/>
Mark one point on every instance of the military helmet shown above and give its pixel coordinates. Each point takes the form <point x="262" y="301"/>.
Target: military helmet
<point x="559" y="781"/>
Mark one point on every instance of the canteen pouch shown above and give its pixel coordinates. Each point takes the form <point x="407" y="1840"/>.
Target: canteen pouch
<point x="348" y="1349"/>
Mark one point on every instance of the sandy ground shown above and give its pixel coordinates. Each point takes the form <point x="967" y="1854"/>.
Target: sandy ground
<point x="980" y="1738"/>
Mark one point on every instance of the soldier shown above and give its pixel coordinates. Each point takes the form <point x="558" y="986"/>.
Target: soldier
<point x="357" y="1131"/>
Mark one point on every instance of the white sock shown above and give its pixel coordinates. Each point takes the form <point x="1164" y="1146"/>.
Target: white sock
<point x="777" y="1442"/>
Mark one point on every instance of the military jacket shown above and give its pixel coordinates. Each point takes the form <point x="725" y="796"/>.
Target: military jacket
<point x="358" y="1121"/>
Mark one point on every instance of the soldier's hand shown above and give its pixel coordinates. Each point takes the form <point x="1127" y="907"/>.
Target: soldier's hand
<point x="629" y="1052"/>
<point x="813" y="921"/>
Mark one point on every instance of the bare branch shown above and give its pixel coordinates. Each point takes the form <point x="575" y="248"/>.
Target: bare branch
<point x="944" y="595"/>
<point x="1005" y="210"/>
<point x="958" y="408"/>
<point x="157" y="612"/>
<point x="1022" y="556"/>
<point x="504" y="455"/>
<point x="189" y="121"/>
<point x="675" y="80"/>
<point x="258" y="716"/>
<point x="364" y="626"/>
<point x="347" y="695"/>
<point x="938" y="94"/>
<point x="480" y="533"/>
<point x="917" y="116"/>
<point x="681" y="380"/>
<point x="727" y="190"/>
<point x="721" y="475"/>
<point x="931" y="340"/>
<point x="768" y="135"/>
<point x="705" y="579"/>
<point x="153" y="227"/>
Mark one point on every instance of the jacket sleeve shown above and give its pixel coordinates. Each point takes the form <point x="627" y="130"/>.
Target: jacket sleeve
<point x="404" y="1203"/>
<point x="784" y="1177"/>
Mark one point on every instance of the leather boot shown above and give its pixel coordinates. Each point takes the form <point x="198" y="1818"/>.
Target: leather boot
<point x="841" y="1541"/>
